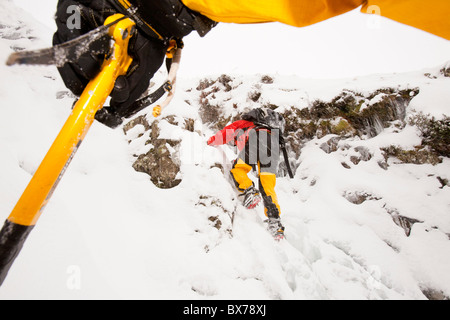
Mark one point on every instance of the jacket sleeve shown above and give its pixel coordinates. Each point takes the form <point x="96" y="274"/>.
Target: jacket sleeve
<point x="228" y="133"/>
<point x="431" y="16"/>
<point x="297" y="13"/>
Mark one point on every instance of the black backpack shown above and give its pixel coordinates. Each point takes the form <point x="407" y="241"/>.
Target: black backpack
<point x="267" y="118"/>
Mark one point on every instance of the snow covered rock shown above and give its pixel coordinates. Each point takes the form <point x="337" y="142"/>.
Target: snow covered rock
<point x="160" y="162"/>
<point x="361" y="223"/>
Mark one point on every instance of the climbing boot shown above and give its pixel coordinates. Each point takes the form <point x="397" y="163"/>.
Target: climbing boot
<point x="275" y="228"/>
<point x="251" y="198"/>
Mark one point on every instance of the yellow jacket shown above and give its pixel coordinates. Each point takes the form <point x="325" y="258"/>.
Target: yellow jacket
<point x="430" y="15"/>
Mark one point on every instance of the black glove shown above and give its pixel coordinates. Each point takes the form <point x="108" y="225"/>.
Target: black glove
<point x="157" y="22"/>
<point x="77" y="75"/>
<point x="147" y="53"/>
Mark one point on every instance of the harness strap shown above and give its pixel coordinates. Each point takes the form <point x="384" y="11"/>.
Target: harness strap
<point x="259" y="126"/>
<point x="125" y="7"/>
<point x="286" y="158"/>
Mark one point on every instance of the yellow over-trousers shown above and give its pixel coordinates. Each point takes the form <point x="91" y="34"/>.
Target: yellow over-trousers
<point x="267" y="182"/>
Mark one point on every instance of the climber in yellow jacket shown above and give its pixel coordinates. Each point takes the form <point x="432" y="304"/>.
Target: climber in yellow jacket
<point x="160" y="21"/>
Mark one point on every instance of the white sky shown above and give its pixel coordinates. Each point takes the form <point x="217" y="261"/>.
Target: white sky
<point x="346" y="46"/>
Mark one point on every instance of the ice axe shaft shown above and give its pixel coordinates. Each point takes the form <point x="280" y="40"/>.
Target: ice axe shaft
<point x="40" y="189"/>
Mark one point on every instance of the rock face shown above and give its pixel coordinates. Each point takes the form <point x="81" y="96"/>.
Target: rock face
<point x="359" y="197"/>
<point x="349" y="114"/>
<point x="159" y="162"/>
<point x="435" y="133"/>
<point x="350" y="128"/>
<point x="446" y="70"/>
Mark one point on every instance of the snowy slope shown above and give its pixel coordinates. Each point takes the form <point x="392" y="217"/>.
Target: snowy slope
<point x="109" y="233"/>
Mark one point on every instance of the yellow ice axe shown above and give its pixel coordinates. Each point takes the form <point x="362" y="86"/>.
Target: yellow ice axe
<point x="39" y="190"/>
